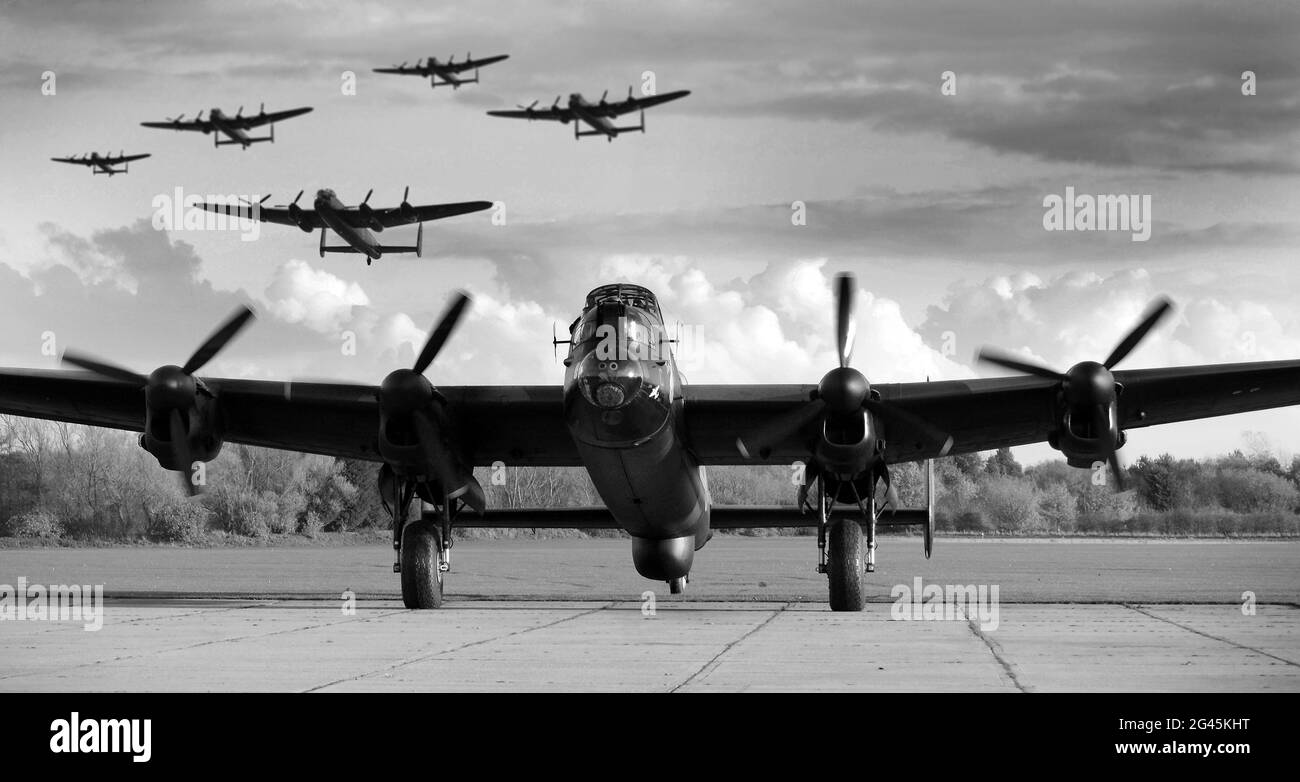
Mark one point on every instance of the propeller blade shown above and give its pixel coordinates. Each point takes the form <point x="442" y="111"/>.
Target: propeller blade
<point x="262" y="110"/>
<point x="218" y="340"/>
<point x="295" y="198"/>
<point x="438" y="337"/>
<point x="760" y="440"/>
<point x="845" y="326"/>
<point x="406" y="194"/>
<point x="102" y="368"/>
<point x="911" y="421"/>
<point x="369" y="193"/>
<point x="604" y="95"/>
<point x="1008" y="361"/>
<point x="1155" y="313"/>
<point x="181" y="450"/>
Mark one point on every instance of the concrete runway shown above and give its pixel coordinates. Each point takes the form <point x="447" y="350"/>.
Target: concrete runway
<point x="1078" y="616"/>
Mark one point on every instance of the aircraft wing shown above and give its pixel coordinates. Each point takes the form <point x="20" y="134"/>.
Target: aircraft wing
<point x="418" y="214"/>
<point x="470" y="65"/>
<point x="267" y="214"/>
<point x="189" y="124"/>
<point x="76" y="161"/>
<point x="636" y="104"/>
<point x="518" y="425"/>
<point x="414" y="70"/>
<point x="113" y="161"/>
<point x="556" y="113"/>
<point x="524" y="425"/>
<point x="988" y="413"/>
<point x="257" y="120"/>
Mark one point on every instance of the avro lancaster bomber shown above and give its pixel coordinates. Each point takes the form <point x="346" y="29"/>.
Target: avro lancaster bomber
<point x="625" y="413"/>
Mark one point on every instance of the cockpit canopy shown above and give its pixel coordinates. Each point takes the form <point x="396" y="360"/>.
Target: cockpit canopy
<point x="627" y="294"/>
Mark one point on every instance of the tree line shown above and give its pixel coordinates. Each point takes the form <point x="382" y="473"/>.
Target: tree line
<point x="74" y="482"/>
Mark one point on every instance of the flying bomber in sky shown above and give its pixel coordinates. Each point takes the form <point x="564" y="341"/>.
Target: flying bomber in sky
<point x="444" y="73"/>
<point x="233" y="129"/>
<point x="102" y="164"/>
<point x="355" y="225"/>
<point x="598" y="116"/>
<point x="645" y="437"/>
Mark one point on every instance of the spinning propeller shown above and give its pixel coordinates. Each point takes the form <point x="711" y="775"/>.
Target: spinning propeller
<point x="407" y="401"/>
<point x="842" y="391"/>
<point x="171" y="390"/>
<point x="1089" y="385"/>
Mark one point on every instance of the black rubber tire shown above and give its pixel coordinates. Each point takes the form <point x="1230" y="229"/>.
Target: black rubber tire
<point x="421" y="579"/>
<point x="677" y="586"/>
<point x="844" y="550"/>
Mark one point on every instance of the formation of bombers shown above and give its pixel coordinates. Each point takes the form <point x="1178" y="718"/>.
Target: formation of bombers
<point x="623" y="411"/>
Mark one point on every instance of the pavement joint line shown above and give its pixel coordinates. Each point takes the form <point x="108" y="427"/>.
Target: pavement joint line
<point x="1211" y="636"/>
<point x="462" y="647"/>
<point x="52" y="627"/>
<point x="712" y="665"/>
<point x="187" y="647"/>
<point x="996" y="650"/>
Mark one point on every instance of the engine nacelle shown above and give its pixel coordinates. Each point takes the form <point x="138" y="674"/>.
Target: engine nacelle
<point x="202" y="433"/>
<point x="369" y="219"/>
<point x="847" y="444"/>
<point x="300" y="219"/>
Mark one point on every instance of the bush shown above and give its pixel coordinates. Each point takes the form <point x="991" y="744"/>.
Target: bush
<point x="37" y="523"/>
<point x="1010" y="504"/>
<point x="1057" y="507"/>
<point x="1253" y="491"/>
<point x="244" y="513"/>
<point x="178" y="521"/>
<point x="969" y="521"/>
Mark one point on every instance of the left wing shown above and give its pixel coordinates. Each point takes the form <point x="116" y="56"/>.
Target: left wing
<point x="76" y="161"/>
<point x="988" y="413"/>
<point x="416" y="214"/>
<point x="635" y="104"/>
<point x="468" y="65"/>
<point x="257" y="120"/>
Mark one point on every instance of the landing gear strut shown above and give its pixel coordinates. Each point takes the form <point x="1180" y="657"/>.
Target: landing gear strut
<point x="841" y="553"/>
<point x="421" y="547"/>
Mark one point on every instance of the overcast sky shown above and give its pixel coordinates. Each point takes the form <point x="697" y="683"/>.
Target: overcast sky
<point x="935" y="201"/>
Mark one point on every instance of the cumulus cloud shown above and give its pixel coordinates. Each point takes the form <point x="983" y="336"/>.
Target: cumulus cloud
<point x="1079" y="316"/>
<point x="322" y="301"/>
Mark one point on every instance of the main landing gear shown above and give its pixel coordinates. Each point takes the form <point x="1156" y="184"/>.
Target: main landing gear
<point x="422" y="546"/>
<point x="842" y="554"/>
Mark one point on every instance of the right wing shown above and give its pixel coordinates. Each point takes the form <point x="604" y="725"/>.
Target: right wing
<point x="190" y="124"/>
<point x="267" y="214"/>
<point x="517" y="425"/>
<point x="556" y="113"/>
